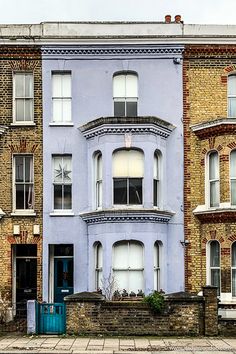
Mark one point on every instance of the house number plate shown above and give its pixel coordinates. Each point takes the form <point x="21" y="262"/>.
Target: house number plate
<point x="65" y="291"/>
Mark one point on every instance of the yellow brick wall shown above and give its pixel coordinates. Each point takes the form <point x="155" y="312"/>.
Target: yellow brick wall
<point x="19" y="139"/>
<point x="205" y="100"/>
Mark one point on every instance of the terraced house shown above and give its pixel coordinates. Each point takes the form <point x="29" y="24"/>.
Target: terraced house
<point x="113" y="161"/>
<point x="21" y="173"/>
<point x="210" y="166"/>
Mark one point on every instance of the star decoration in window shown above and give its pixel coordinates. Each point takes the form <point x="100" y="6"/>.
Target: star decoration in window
<point x="62" y="173"/>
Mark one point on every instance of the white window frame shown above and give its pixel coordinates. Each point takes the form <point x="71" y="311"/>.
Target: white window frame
<point x="98" y="267"/>
<point x="98" y="179"/>
<point x="211" y="181"/>
<point x="125" y="98"/>
<point x="232" y="96"/>
<point x="15" y="98"/>
<point x="157" y="179"/>
<point x="63" y="210"/>
<point x="61" y="98"/>
<point x="233" y="269"/>
<point x="127" y="178"/>
<point x="129" y="269"/>
<point x="14" y="183"/>
<point x="157" y="267"/>
<point x="210" y="267"/>
<point x="232" y="178"/>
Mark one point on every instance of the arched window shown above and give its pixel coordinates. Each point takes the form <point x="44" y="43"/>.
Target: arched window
<point x="98" y="179"/>
<point x="214" y="248"/>
<point x="157" y="266"/>
<point x="233" y="177"/>
<point x="128" y="171"/>
<point x="125" y="95"/>
<point x="98" y="265"/>
<point x="213" y="182"/>
<point x="232" y="96"/>
<point x="156" y="180"/>
<point x="128" y="265"/>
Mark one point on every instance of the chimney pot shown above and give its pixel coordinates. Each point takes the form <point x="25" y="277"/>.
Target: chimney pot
<point x="177" y="18"/>
<point x="168" y="19"/>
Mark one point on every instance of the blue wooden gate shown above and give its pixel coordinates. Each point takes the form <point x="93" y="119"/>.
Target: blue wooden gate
<point x="52" y="318"/>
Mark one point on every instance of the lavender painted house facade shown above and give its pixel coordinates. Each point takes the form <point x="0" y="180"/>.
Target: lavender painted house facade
<point x="113" y="168"/>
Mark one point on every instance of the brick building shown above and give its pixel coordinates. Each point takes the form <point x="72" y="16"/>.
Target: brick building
<point x="210" y="167"/>
<point x="20" y="172"/>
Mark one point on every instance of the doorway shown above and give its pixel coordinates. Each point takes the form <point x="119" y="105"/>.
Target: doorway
<point x="63" y="265"/>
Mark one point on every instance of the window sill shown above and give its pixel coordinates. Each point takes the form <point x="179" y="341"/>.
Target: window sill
<point x="225" y="212"/>
<point x="61" y="124"/>
<point x="23" y="124"/>
<point x="23" y="213"/>
<point x="62" y="213"/>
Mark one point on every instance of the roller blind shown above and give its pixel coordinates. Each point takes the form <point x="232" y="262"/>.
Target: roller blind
<point x="128" y="163"/>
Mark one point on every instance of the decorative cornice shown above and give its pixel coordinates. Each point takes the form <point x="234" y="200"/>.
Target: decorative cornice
<point x="111" y="50"/>
<point x="2" y="129"/>
<point x="125" y="215"/>
<point x="220" y="126"/>
<point x="218" y="215"/>
<point x="123" y="125"/>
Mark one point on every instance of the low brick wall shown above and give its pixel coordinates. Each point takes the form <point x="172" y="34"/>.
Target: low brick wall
<point x="184" y="314"/>
<point x="227" y="327"/>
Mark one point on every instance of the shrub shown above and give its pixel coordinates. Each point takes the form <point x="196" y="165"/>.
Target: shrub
<point x="155" y="301"/>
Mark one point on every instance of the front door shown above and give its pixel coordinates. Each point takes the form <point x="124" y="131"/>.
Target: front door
<point x="24" y="274"/>
<point x="63" y="271"/>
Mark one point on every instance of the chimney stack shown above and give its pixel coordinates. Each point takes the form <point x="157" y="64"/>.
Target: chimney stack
<point x="167" y="18"/>
<point x="177" y="19"/>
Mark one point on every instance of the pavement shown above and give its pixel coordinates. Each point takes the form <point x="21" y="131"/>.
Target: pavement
<point x="115" y="345"/>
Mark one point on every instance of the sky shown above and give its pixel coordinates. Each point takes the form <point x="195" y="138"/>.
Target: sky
<point x="192" y="11"/>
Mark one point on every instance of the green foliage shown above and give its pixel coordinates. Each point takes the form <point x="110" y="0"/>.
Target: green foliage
<point x="155" y="301"/>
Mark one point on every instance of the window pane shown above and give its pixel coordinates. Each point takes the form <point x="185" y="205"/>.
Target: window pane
<point x="233" y="192"/>
<point x="214" y="194"/>
<point x="29" y="196"/>
<point x="66" y="85"/>
<point x="215" y="278"/>
<point x="232" y="107"/>
<point x="57" y="110"/>
<point x="58" y="169"/>
<point x="19" y="169"/>
<point x="135" y="255"/>
<point x="131" y="86"/>
<point x="128" y="163"/>
<point x="67" y="197"/>
<point x="232" y="85"/>
<point x="135" y="281"/>
<point x="28" y="110"/>
<point x="99" y="193"/>
<point x="121" y="256"/>
<point x="155" y="198"/>
<point x="20" y="104"/>
<point x="99" y="167"/>
<point x="213" y="166"/>
<point x="234" y="282"/>
<point x="59" y="270"/>
<point x="56" y="85"/>
<point x="57" y="197"/>
<point x="20" y="196"/>
<point x="28" y="85"/>
<point x="119" y="109"/>
<point x="215" y="254"/>
<point x="233" y="164"/>
<point x="66" y="110"/>
<point x="120" y="191"/>
<point x="121" y="279"/>
<point x="156" y="255"/>
<point x="99" y="256"/>
<point x="119" y="86"/>
<point x="135" y="191"/>
<point x="28" y="169"/>
<point x="19" y="85"/>
<point x="67" y="173"/>
<point x="131" y="109"/>
<point x="234" y="254"/>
